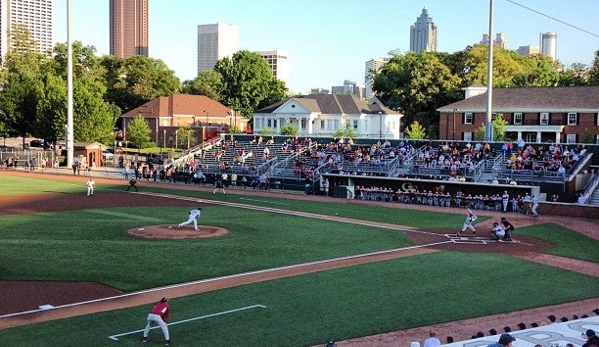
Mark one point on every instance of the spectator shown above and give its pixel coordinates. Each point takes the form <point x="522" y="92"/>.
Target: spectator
<point x="505" y="340"/>
<point x="592" y="339"/>
<point x="432" y="341"/>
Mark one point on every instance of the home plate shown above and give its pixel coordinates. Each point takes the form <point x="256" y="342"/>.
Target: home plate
<point x="140" y="229"/>
<point x="200" y="200"/>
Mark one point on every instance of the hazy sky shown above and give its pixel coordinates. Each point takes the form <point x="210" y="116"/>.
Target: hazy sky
<point x="328" y="41"/>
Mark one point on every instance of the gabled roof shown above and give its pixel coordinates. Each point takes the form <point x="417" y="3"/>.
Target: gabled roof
<point x="540" y="99"/>
<point x="179" y="104"/>
<point x="332" y="104"/>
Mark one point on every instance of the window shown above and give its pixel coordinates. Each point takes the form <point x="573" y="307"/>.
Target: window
<point x="355" y="124"/>
<point x="336" y="124"/>
<point x="544" y="119"/>
<point x="274" y="122"/>
<point x="572" y="118"/>
<point x="468" y="118"/>
<point x="322" y="125"/>
<point x="493" y="116"/>
<point x="518" y="118"/>
<point x="304" y="123"/>
<point x="570" y="138"/>
<point x="468" y="136"/>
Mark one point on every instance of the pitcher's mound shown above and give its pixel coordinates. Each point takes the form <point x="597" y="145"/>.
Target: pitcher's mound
<point x="172" y="232"/>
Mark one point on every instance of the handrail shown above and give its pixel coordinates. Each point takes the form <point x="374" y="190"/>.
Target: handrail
<point x="590" y="188"/>
<point x="189" y="156"/>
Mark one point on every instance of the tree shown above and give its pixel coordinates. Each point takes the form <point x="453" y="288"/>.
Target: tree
<point x="21" y="85"/>
<point x="290" y="130"/>
<point x="499" y="125"/>
<point x="576" y="75"/>
<point x="186" y="137"/>
<point x="594" y="71"/>
<point x="247" y="83"/>
<point x="267" y="131"/>
<point x="417" y="84"/>
<point x="133" y="81"/>
<point x="346" y="132"/>
<point x="93" y="118"/>
<point x="415" y="131"/>
<point x="51" y="115"/>
<point x="234" y="129"/>
<point x="207" y="83"/>
<point x="138" y="133"/>
<point x="538" y="71"/>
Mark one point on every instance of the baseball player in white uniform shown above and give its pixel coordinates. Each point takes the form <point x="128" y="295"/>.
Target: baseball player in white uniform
<point x="535" y="205"/>
<point x="90" y="187"/>
<point x="193" y="218"/>
<point x="468" y="223"/>
<point x="505" y="200"/>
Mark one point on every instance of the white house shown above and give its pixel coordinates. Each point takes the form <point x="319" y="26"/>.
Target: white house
<point x="323" y="114"/>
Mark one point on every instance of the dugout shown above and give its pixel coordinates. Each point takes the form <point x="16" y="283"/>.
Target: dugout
<point x="341" y="184"/>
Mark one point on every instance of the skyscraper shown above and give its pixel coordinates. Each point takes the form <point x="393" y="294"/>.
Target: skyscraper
<point x="423" y="34"/>
<point x="129" y="28"/>
<point x="371" y="68"/>
<point x="549" y="44"/>
<point x="278" y="62"/>
<point x="216" y="41"/>
<point x="36" y="15"/>
<point x="499" y="41"/>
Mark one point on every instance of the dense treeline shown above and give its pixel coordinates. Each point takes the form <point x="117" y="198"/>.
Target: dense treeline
<point x="418" y="84"/>
<point x="33" y="99"/>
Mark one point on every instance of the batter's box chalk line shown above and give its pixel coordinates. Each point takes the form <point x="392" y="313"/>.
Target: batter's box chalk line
<point x="116" y="337"/>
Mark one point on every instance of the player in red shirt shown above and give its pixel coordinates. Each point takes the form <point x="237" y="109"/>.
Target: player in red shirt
<point x="159" y="315"/>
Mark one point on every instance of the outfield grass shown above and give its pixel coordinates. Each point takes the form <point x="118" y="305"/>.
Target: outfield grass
<point x="336" y="304"/>
<point x="91" y="245"/>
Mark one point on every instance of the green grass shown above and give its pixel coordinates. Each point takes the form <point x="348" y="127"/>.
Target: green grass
<point x="564" y="242"/>
<point x="393" y="215"/>
<point x="96" y="241"/>
<point x="336" y="304"/>
<point x="13" y="185"/>
<point x="91" y="245"/>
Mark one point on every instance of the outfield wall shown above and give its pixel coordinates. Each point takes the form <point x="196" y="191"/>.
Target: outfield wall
<point x="552" y="335"/>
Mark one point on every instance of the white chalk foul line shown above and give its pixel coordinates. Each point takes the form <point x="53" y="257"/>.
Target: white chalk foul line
<point x="264" y="201"/>
<point x="115" y="337"/>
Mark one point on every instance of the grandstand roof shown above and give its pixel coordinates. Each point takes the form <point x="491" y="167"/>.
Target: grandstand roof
<point x="533" y="99"/>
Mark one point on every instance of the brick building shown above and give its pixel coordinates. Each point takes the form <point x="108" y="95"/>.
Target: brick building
<point x="536" y="114"/>
<point x="166" y="114"/>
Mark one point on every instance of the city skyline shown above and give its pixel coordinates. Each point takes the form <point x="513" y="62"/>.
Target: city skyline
<point x="322" y="52"/>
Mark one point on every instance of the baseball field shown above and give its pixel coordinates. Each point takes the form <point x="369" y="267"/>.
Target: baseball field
<point x="289" y="271"/>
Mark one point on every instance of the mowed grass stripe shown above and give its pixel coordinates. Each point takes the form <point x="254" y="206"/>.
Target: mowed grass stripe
<point x="339" y="304"/>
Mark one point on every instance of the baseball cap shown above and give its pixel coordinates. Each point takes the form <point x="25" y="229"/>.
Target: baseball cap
<point x="506" y="338"/>
<point x="590" y="333"/>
